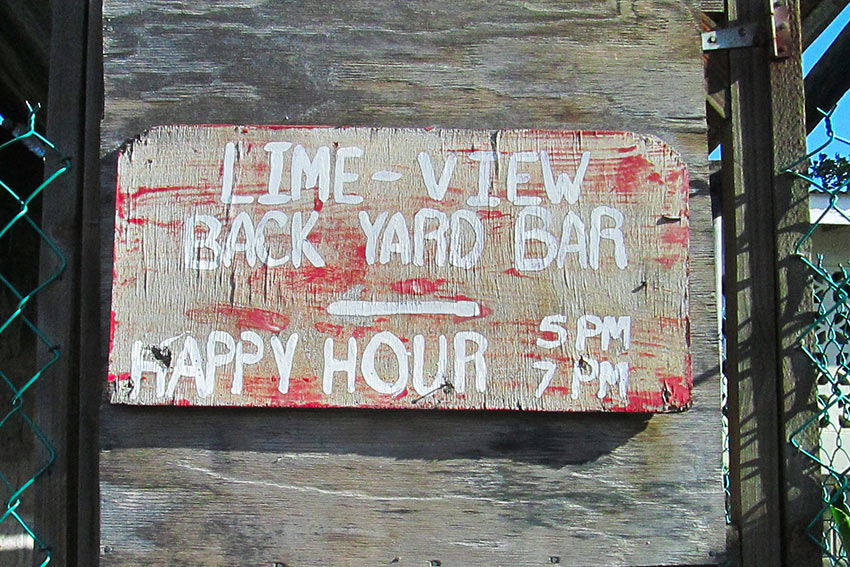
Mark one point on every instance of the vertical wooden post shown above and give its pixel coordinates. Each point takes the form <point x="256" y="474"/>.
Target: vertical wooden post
<point x="751" y="336"/>
<point x="92" y="354"/>
<point x="774" y="493"/>
<point x="61" y="516"/>
<point x="800" y="487"/>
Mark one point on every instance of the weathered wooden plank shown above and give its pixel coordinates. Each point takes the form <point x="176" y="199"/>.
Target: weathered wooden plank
<point x="524" y="269"/>
<point x="751" y="350"/>
<point x="362" y="487"/>
<point x="825" y="87"/>
<point x="794" y="310"/>
<point x="773" y="494"/>
<point x="817" y="16"/>
<point x="57" y="393"/>
<point x="596" y="65"/>
<point x="716" y="6"/>
<point x="91" y="352"/>
<point x="463" y="488"/>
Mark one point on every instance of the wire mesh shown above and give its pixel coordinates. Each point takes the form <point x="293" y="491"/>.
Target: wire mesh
<point x="18" y="385"/>
<point x="826" y="342"/>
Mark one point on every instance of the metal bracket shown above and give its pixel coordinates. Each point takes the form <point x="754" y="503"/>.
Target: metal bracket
<point x="780" y="30"/>
<point x="731" y="38"/>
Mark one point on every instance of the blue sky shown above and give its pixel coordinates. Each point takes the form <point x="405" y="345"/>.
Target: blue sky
<point x="841" y="118"/>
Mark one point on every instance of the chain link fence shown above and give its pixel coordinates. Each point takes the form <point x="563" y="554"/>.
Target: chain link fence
<point x="827" y="344"/>
<point x="31" y="261"/>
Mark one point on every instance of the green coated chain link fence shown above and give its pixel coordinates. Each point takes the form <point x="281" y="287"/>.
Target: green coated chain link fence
<point x="19" y="294"/>
<point x="827" y="344"/>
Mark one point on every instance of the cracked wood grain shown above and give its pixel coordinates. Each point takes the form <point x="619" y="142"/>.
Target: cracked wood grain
<point x="589" y="489"/>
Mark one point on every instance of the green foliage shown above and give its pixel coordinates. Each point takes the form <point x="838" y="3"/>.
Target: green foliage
<point x="833" y="173"/>
<point x="841" y="520"/>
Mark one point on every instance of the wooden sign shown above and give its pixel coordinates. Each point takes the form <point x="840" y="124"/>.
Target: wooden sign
<point x="401" y="268"/>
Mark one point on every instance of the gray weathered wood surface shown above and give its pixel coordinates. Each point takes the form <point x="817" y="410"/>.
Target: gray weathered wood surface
<point x="772" y="389"/>
<point x="200" y="277"/>
<point x="358" y="487"/>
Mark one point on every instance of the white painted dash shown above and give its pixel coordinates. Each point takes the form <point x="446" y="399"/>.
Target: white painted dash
<point x="386" y="176"/>
<point x="374" y="308"/>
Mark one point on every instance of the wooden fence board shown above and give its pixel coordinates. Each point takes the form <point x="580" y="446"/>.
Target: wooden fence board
<point x="91" y="355"/>
<point x="56" y="395"/>
<point x="771" y="389"/>
<point x="363" y="487"/>
<point x="318" y="487"/>
<point x="795" y="311"/>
